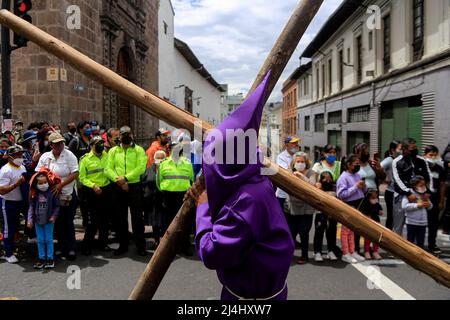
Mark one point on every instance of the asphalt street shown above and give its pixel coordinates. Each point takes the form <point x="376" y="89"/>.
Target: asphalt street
<point x="108" y="277"/>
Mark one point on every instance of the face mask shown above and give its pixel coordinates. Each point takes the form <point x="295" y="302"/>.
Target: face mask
<point x="99" y="148"/>
<point x="300" y="166"/>
<point x="88" y="132"/>
<point x="2" y="151"/>
<point x="42" y="187"/>
<point x="158" y="161"/>
<point x="116" y="141"/>
<point x="331" y="159"/>
<point x="356" y="169"/>
<point x="73" y="130"/>
<point x="18" y="162"/>
<point x="421" y="190"/>
<point x="33" y="142"/>
<point x="46" y="143"/>
<point x="293" y="150"/>
<point x="126" y="139"/>
<point x="373" y="201"/>
<point x="365" y="158"/>
<point x="327" y="186"/>
<point x="414" y="153"/>
<point x="432" y="160"/>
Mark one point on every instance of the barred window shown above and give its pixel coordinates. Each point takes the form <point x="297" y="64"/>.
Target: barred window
<point x="319" y="123"/>
<point x="307" y="123"/>
<point x="360" y="114"/>
<point x="335" y="117"/>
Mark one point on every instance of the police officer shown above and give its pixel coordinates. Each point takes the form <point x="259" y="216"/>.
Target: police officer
<point x="174" y="178"/>
<point x="125" y="165"/>
<point x="97" y="189"/>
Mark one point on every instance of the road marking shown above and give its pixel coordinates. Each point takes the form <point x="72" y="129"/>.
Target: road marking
<point x="385" y="284"/>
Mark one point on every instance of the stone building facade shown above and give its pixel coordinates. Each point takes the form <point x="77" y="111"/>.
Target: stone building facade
<point x="120" y="34"/>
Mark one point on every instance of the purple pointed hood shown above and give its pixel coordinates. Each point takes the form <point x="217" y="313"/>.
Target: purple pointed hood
<point x="228" y="161"/>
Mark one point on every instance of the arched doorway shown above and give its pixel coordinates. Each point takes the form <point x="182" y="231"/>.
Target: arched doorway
<point x="124" y="68"/>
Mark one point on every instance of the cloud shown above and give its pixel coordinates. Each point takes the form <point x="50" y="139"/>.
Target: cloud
<point x="232" y="38"/>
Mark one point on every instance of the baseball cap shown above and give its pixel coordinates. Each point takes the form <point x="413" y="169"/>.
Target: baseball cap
<point x="18" y="122"/>
<point x="56" y="137"/>
<point x="125" y="129"/>
<point x="29" y="135"/>
<point x="14" y="150"/>
<point x="291" y="139"/>
<point x="95" y="140"/>
<point x="162" y="132"/>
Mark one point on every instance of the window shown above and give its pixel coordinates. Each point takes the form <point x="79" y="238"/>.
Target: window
<point x="370" y="40"/>
<point x="330" y="77"/>
<point x="359" y="66"/>
<point x="166" y="27"/>
<point x="341" y="70"/>
<point x="319" y="123"/>
<point x="387" y="44"/>
<point x="335" y="117"/>
<point x="307" y="123"/>
<point x="306" y="86"/>
<point x="360" y="114"/>
<point x="323" y="80"/>
<point x="349" y="57"/>
<point x="318" y="83"/>
<point x="418" y="25"/>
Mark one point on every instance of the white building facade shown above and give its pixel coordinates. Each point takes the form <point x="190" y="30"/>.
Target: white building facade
<point x="383" y="74"/>
<point x="183" y="80"/>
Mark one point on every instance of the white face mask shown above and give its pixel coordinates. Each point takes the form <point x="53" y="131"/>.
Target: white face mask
<point x="18" y="162"/>
<point x="373" y="201"/>
<point x="300" y="166"/>
<point x="158" y="161"/>
<point x="421" y="190"/>
<point x="42" y="187"/>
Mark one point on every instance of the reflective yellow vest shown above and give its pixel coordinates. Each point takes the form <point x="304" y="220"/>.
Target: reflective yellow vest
<point x="92" y="170"/>
<point x="175" y="177"/>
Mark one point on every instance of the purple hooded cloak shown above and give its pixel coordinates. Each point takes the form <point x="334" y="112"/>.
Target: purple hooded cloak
<point x="242" y="232"/>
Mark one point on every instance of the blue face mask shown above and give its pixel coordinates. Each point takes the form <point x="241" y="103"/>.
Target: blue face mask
<point x="331" y="159"/>
<point x="88" y="132"/>
<point x="2" y="151"/>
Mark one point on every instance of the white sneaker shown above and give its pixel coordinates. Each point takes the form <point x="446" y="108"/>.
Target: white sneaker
<point x="357" y="257"/>
<point x="318" y="257"/>
<point x="332" y="256"/>
<point x="349" y="259"/>
<point x="12" y="259"/>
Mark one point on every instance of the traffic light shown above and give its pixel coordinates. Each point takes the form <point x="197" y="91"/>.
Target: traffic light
<point x="21" y="8"/>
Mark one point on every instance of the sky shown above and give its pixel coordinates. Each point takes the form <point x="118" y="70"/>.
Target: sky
<point x="232" y="38"/>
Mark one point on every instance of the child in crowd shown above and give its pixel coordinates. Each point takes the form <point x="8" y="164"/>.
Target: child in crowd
<point x="42" y="214"/>
<point x="326" y="184"/>
<point x="416" y="211"/>
<point x="351" y="189"/>
<point x="372" y="208"/>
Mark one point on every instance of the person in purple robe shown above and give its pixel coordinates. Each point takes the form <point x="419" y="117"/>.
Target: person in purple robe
<point x="241" y="230"/>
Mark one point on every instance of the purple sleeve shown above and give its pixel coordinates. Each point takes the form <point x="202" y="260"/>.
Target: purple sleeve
<point x="55" y="212"/>
<point x="31" y="211"/>
<point x="342" y="189"/>
<point x="224" y="243"/>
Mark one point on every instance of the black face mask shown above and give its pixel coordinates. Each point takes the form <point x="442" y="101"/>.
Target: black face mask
<point x="327" y="186"/>
<point x="126" y="139"/>
<point x="73" y="130"/>
<point x="99" y="148"/>
<point x="365" y="158"/>
<point x="116" y="141"/>
<point x="356" y="169"/>
<point x="414" y="153"/>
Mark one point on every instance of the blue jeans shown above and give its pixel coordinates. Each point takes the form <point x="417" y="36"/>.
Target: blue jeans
<point x="44" y="234"/>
